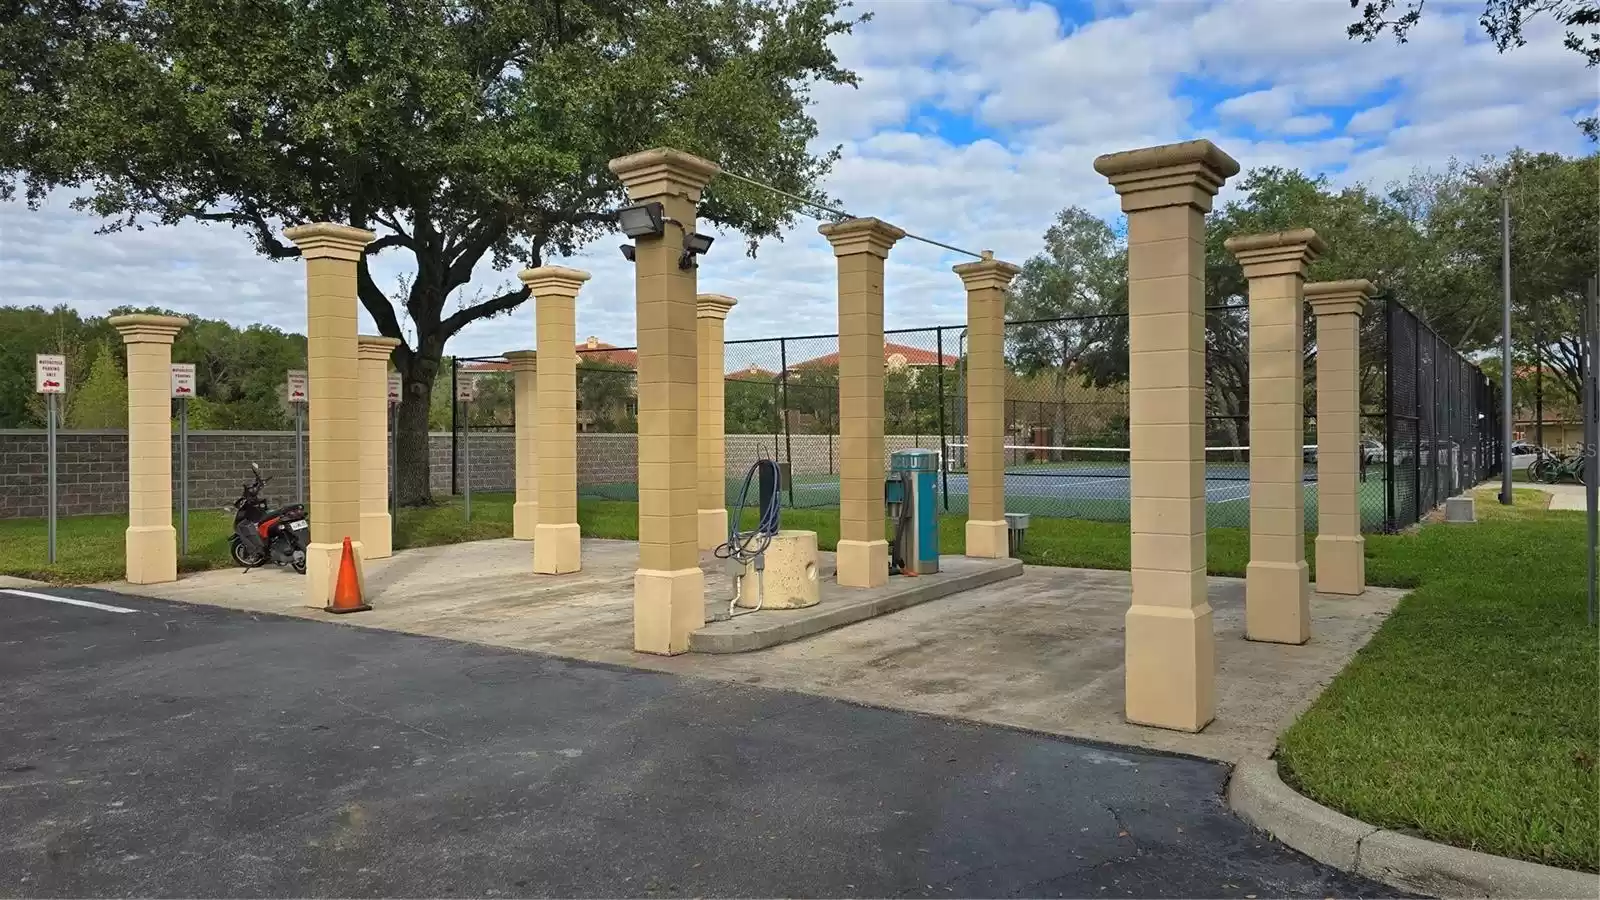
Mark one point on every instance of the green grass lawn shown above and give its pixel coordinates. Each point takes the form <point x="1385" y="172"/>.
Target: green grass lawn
<point x="1471" y="717"/>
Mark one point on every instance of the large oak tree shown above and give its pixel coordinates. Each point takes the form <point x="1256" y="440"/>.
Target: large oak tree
<point x="461" y="131"/>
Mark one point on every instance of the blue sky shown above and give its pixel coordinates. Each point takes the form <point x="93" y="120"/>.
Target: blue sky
<point x="975" y="122"/>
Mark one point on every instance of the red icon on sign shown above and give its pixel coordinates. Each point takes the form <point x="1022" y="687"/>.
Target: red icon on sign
<point x="50" y="384"/>
<point x="183" y="390"/>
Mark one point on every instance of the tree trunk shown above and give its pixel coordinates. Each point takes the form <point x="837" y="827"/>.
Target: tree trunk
<point x="411" y="440"/>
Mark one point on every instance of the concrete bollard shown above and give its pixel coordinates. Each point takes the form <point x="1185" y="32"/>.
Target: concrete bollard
<point x="1461" y="510"/>
<point x="790" y="578"/>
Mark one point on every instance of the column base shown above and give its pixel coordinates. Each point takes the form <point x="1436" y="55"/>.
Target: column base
<point x="1170" y="660"/>
<point x="1277" y="602"/>
<point x="667" y="608"/>
<point x="862" y="564"/>
<point x="988" y="540"/>
<point x="1341" y="564"/>
<point x="376" y="536"/>
<point x="713" y="528"/>
<point x="152" y="554"/>
<point x="322" y="571"/>
<point x="557" y="549"/>
<point x="524" y="519"/>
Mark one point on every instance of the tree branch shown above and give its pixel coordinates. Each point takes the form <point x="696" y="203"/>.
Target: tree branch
<point x="250" y="217"/>
<point x="503" y="303"/>
<point x="377" y="303"/>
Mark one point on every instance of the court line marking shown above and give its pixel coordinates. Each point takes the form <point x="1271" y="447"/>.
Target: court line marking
<point x="67" y="600"/>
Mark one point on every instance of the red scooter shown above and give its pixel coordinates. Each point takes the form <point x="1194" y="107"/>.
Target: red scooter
<point x="262" y="535"/>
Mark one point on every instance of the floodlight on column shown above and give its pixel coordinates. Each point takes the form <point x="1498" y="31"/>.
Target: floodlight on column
<point x="642" y="220"/>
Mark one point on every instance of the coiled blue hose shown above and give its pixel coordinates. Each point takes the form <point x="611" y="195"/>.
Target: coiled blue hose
<point x="745" y="546"/>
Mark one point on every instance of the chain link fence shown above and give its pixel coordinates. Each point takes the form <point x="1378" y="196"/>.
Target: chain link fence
<point x="1428" y="418"/>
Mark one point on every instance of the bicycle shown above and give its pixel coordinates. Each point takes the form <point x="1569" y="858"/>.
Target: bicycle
<point x="1552" y="468"/>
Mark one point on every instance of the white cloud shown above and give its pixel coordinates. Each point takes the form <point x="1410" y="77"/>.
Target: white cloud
<point x="1304" y="125"/>
<point x="1259" y="108"/>
<point x="1044" y="97"/>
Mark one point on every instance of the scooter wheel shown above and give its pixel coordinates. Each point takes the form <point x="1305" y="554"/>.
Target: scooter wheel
<point x="242" y="556"/>
<point x="298" y="563"/>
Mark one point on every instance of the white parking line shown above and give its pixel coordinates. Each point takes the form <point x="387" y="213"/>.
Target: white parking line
<point x="67" y="600"/>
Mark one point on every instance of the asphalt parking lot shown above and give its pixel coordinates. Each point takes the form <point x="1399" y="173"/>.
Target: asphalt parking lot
<point x="170" y="750"/>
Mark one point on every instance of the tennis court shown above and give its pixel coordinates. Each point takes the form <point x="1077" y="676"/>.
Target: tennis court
<point x="1093" y="483"/>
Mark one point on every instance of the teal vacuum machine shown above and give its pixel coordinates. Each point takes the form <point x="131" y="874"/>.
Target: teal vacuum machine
<point x="910" y="493"/>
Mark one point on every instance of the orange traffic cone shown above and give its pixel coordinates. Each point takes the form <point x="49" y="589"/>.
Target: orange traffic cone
<point x="347" y="590"/>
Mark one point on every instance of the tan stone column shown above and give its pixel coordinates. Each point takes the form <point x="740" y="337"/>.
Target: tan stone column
<point x="861" y="246"/>
<point x="711" y="312"/>
<point x="1341" y="549"/>
<point x="525" y="403"/>
<point x="668" y="589"/>
<point x="1170" y="650"/>
<point x="150" y="543"/>
<point x="1277" y="602"/>
<point x="331" y="252"/>
<point x="556" y="542"/>
<point x="986" y="282"/>
<point x="372" y="371"/>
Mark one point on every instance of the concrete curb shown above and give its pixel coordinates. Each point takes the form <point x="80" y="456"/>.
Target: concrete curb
<point x="1261" y="798"/>
<point x="740" y="636"/>
<point x="8" y="581"/>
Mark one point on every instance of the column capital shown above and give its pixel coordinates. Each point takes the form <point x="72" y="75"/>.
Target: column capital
<point x="664" y="172"/>
<point x="866" y="235"/>
<point x="553" y="281"/>
<point x="1333" y="297"/>
<point x="1186" y="174"/>
<point x="713" y="306"/>
<point x="522" y="360"/>
<point x="373" y="347"/>
<point x="1276" y="253"/>
<point x="329" y="240"/>
<point x="145" y="328"/>
<point x="987" y="272"/>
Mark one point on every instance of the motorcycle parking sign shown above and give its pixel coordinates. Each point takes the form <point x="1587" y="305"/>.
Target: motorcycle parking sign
<point x="50" y="374"/>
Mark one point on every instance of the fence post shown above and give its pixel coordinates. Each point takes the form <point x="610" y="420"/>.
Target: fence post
<point x="944" y="446"/>
<point x="455" y="467"/>
<point x="788" y="446"/>
<point x="1390" y="522"/>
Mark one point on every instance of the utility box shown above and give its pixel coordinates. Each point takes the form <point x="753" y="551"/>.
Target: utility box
<point x="912" y="499"/>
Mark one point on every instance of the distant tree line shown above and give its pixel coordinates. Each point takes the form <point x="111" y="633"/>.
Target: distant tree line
<point x="239" y="372"/>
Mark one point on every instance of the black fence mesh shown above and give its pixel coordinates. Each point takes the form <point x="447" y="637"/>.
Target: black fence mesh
<point x="1427" y="416"/>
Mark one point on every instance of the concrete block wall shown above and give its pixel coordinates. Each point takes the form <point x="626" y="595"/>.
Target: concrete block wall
<point x="92" y="466"/>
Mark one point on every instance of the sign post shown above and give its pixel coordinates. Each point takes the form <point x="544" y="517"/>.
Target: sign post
<point x="182" y="390"/>
<point x="394" y="446"/>
<point x="466" y="391"/>
<point x="296" y="391"/>
<point x="50" y="379"/>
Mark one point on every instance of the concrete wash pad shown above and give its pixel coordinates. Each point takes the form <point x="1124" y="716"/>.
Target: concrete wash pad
<point x="1041" y="651"/>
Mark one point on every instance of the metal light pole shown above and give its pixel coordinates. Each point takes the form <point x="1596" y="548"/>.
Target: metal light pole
<point x="1504" y="186"/>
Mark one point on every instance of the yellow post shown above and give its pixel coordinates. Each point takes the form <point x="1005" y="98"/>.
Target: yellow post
<point x="373" y="373"/>
<point x="986" y="281"/>
<point x="150" y="543"/>
<point x="1170" y="649"/>
<point x="1341" y="549"/>
<point x="668" y="589"/>
<point x="711" y="311"/>
<point x="331" y="253"/>
<point x="861" y="246"/>
<point x="525" y="402"/>
<point x="557" y="547"/>
<point x="1277" y="587"/>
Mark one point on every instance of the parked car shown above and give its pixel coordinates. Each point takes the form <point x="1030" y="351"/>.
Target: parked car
<point x="1372" y="451"/>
